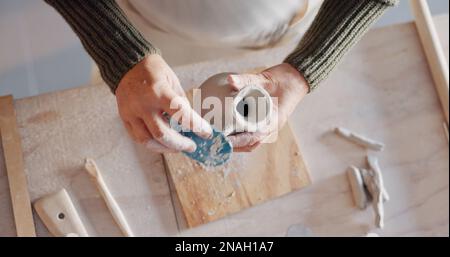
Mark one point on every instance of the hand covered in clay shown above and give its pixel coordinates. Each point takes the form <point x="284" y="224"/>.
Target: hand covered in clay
<point x="148" y="90"/>
<point x="285" y="85"/>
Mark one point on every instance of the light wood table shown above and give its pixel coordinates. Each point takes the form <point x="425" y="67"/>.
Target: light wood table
<point x="382" y="89"/>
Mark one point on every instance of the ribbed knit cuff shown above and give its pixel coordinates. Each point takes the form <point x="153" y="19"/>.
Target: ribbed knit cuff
<point x="337" y="27"/>
<point x="107" y="35"/>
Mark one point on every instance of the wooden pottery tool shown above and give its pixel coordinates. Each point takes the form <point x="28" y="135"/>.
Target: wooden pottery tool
<point x="113" y="207"/>
<point x="59" y="215"/>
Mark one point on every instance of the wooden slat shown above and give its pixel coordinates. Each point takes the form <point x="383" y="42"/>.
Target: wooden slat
<point x="433" y="51"/>
<point x="15" y="169"/>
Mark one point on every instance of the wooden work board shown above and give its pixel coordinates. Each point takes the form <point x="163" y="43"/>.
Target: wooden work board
<point x="270" y="171"/>
<point x="382" y="89"/>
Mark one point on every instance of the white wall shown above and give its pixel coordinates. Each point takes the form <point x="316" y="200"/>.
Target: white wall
<point x="38" y="50"/>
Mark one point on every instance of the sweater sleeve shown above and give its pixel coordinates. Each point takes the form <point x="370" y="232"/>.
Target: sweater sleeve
<point x="337" y="27"/>
<point x="106" y="34"/>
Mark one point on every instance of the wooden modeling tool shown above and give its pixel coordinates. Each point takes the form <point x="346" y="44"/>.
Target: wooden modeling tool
<point x="113" y="207"/>
<point x="59" y="215"/>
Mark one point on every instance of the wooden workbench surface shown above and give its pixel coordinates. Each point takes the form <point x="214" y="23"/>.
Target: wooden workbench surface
<point x="383" y="89"/>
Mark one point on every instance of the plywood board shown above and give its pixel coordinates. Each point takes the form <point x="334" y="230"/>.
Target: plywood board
<point x="250" y="178"/>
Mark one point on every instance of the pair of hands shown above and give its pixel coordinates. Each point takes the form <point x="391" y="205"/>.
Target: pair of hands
<point x="151" y="88"/>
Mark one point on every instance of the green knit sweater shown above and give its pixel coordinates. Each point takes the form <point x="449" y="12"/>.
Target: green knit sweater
<point x="116" y="46"/>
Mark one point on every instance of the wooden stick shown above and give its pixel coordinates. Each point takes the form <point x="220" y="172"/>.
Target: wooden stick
<point x="433" y="50"/>
<point x="113" y="207"/>
<point x="21" y="205"/>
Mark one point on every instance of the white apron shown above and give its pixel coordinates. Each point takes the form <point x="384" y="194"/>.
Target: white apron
<point x="189" y="31"/>
<point x="216" y="23"/>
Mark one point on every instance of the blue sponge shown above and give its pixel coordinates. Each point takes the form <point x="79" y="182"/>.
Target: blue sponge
<point x="211" y="152"/>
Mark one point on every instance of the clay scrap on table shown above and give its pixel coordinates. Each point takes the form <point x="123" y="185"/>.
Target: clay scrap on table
<point x="446" y="130"/>
<point x="359" y="139"/>
<point x="299" y="230"/>
<point x="357" y="187"/>
<point x="375" y="172"/>
<point x="367" y="185"/>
